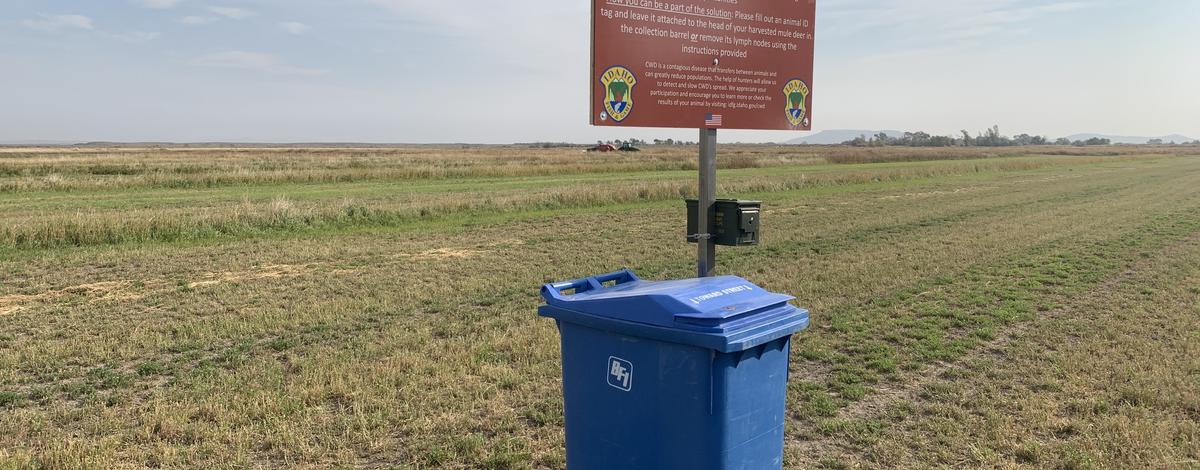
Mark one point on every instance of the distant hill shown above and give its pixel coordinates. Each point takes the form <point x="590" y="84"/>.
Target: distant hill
<point x="36" y="142"/>
<point x="837" y="136"/>
<point x="184" y="145"/>
<point x="1128" y="139"/>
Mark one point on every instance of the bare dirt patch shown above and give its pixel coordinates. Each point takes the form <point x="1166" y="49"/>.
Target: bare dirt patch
<point x="445" y="253"/>
<point x="938" y="193"/>
<point x="274" y="271"/>
<point x="462" y="252"/>
<point x="108" y="290"/>
<point x="12" y="303"/>
<point x="126" y="290"/>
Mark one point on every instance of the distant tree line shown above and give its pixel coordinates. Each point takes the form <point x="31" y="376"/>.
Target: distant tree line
<point x="615" y="143"/>
<point x="988" y="138"/>
<point x="547" y="145"/>
<point x="636" y="142"/>
<point x="1160" y="142"/>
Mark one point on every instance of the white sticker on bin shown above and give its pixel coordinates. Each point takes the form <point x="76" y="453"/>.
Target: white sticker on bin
<point x="620" y="373"/>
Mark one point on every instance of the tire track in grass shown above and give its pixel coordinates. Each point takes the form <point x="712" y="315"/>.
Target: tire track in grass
<point x="907" y="388"/>
<point x="821" y="372"/>
<point x="1107" y="381"/>
<point x="847" y="427"/>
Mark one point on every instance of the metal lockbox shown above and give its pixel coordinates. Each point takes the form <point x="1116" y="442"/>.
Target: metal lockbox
<point x="732" y="222"/>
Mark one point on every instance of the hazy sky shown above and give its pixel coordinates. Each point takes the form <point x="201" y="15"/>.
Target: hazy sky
<point x="516" y="70"/>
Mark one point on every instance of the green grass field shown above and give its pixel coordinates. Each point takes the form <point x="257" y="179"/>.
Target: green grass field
<point x="314" y="308"/>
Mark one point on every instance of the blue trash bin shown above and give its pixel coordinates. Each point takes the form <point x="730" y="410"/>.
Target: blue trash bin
<point x="687" y="374"/>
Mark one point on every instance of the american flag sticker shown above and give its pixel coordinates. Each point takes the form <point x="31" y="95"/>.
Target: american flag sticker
<point x="712" y="120"/>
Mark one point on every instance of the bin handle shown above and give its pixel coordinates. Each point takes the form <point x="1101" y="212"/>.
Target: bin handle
<point x="554" y="291"/>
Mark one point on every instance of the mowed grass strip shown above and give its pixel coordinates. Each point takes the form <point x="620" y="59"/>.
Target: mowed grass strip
<point x="48" y="219"/>
<point x="420" y="349"/>
<point x="125" y="169"/>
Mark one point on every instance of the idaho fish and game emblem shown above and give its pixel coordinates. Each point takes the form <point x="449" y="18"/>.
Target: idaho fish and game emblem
<point x="618" y="85"/>
<point x="796" y="94"/>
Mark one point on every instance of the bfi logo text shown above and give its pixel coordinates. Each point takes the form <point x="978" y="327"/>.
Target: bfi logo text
<point x="620" y="373"/>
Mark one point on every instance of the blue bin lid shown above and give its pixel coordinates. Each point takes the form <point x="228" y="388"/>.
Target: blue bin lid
<point x="726" y="313"/>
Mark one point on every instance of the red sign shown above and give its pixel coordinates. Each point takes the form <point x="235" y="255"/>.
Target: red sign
<point x="729" y="64"/>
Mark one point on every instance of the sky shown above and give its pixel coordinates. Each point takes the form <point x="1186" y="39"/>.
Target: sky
<point x="486" y="71"/>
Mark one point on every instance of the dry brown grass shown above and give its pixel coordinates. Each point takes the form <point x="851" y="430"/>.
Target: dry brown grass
<point x="414" y="344"/>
